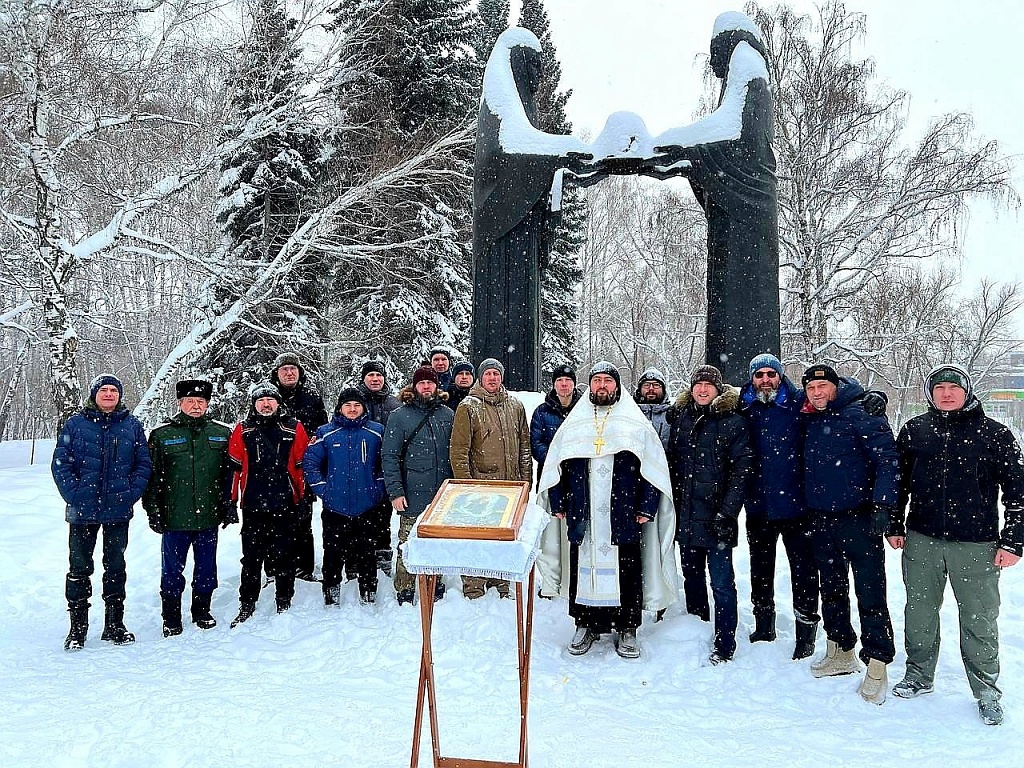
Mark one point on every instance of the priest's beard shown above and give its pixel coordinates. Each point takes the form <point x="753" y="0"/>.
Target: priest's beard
<point x="767" y="396"/>
<point x="604" y="398"/>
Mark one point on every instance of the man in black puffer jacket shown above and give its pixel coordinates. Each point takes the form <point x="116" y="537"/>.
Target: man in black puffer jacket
<point x="710" y="460"/>
<point x="549" y="415"/>
<point x="954" y="460"/>
<point x="303" y="402"/>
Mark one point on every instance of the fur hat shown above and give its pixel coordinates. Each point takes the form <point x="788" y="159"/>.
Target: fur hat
<point x="489" y="363"/>
<point x="766" y="361"/>
<point x="264" y="389"/>
<point x="372" y="366"/>
<point x="103" y="380"/>
<point x="424" y="373"/>
<point x="948" y="373"/>
<point x="710" y="374"/>
<point x="286" y="358"/>
<point x="463" y="367"/>
<point x="563" y="371"/>
<point x="819" y="373"/>
<point x="350" y="394"/>
<point x="193" y="388"/>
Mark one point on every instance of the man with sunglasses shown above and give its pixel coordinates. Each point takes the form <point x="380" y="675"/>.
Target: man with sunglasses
<point x="774" y="502"/>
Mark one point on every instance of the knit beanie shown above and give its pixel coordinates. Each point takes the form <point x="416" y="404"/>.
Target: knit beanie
<point x="103" y="380"/>
<point x="608" y="369"/>
<point x="489" y="363"/>
<point x="264" y="389"/>
<point x="948" y="373"/>
<point x="766" y="361"/>
<point x="563" y="371"/>
<point x="710" y="374"/>
<point x="372" y="366"/>
<point x="350" y="394"/>
<point x="462" y="367"/>
<point x="424" y="373"/>
<point x="193" y="388"/>
<point x="820" y="373"/>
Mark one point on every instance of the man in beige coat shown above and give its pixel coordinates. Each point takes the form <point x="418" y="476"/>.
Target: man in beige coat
<point x="490" y="441"/>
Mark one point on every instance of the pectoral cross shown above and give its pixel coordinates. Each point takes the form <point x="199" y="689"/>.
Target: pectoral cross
<point x="599" y="444"/>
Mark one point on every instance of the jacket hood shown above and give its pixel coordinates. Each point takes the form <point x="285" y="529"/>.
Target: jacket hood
<point x="477" y="390"/>
<point x="726" y="402"/>
<point x="651" y="374"/>
<point x="408" y="394"/>
<point x="379" y="396"/>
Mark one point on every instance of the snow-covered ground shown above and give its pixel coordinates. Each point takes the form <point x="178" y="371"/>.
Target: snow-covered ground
<point x="317" y="687"/>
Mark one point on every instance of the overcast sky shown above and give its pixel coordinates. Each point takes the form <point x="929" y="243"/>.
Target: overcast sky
<point x="643" y="56"/>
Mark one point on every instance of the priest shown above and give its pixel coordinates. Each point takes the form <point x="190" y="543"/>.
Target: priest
<point x="606" y="480"/>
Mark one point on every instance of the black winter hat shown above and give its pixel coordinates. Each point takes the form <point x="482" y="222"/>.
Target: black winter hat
<point x="607" y="368"/>
<point x="193" y="388"/>
<point x="264" y="389"/>
<point x="819" y="373"/>
<point x="105" y="379"/>
<point x="463" y="367"/>
<point x="350" y="394"/>
<point x="710" y="374"/>
<point x="372" y="366"/>
<point x="563" y="371"/>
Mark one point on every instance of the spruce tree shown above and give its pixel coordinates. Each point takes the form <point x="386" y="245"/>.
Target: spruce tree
<point x="493" y="20"/>
<point x="410" y="79"/>
<point x="561" y="276"/>
<point x="265" y="186"/>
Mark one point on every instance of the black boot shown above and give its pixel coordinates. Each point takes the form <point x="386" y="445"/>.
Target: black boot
<point x="806" y="631"/>
<point x="764" y="625"/>
<point x="79" y="613"/>
<point x="170" y="610"/>
<point x="245" y="612"/>
<point x="201" y="615"/>
<point x="113" y="624"/>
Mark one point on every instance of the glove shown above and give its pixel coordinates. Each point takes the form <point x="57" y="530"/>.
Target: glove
<point x="874" y="402"/>
<point x="156" y="523"/>
<point x="228" y="515"/>
<point x="726" y="529"/>
<point x="881" y="521"/>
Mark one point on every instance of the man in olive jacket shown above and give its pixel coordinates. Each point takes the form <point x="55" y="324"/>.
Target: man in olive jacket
<point x="954" y="461"/>
<point x="187" y="496"/>
<point x="416" y="462"/>
<point x="490" y="441"/>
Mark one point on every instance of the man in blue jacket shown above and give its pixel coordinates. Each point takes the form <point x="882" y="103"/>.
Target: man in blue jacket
<point x="851" y="479"/>
<point x="774" y="502"/>
<point x="101" y="466"/>
<point x="342" y="466"/>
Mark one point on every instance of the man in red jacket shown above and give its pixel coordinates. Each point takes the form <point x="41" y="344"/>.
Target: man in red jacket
<point x="266" y="450"/>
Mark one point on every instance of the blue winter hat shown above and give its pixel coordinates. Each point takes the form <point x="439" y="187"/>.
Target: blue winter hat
<point x="766" y="361"/>
<point x="462" y="367"/>
<point x="103" y="380"/>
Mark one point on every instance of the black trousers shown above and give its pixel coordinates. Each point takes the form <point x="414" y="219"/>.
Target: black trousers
<point x="695" y="581"/>
<point x="81" y="546"/>
<point x="798" y="540"/>
<point x="842" y="543"/>
<point x="381" y="518"/>
<point x="268" y="541"/>
<point x="629" y="613"/>
<point x="303" y="554"/>
<point x="350" y="543"/>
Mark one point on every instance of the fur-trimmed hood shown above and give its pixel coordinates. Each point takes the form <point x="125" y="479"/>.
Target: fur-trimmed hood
<point x="408" y="394"/>
<point x="727" y="402"/>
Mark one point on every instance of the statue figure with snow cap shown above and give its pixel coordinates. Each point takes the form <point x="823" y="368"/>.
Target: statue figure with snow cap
<point x="727" y="157"/>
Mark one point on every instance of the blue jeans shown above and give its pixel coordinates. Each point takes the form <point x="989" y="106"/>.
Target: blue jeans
<point x="723" y="588"/>
<point x="81" y="545"/>
<point x="173" y="552"/>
